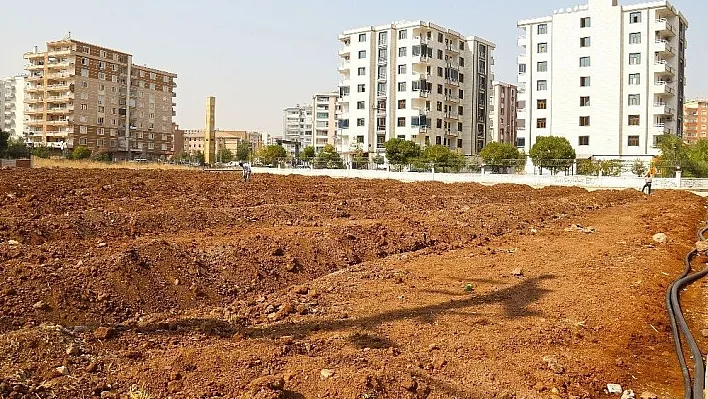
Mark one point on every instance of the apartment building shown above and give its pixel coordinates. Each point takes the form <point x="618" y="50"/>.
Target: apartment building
<point x="82" y="94"/>
<point x="416" y="81"/>
<point x="695" y="120"/>
<point x="193" y="140"/>
<point x="502" y="111"/>
<point x="12" y="106"/>
<point x="297" y="127"/>
<point x="607" y="77"/>
<point x="324" y="119"/>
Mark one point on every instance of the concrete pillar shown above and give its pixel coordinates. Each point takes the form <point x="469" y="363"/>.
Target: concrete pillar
<point x="210" y="132"/>
<point x="678" y="178"/>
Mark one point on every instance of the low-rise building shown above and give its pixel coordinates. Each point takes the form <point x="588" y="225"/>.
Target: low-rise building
<point x="324" y="119"/>
<point x="12" y="106"/>
<point x="502" y="111"/>
<point x="695" y="120"/>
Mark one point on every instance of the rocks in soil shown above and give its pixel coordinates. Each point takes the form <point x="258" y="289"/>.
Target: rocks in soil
<point x="628" y="394"/>
<point x="518" y="272"/>
<point x="41" y="305"/>
<point x="12" y="242"/>
<point x="73" y="350"/>
<point x="553" y="365"/>
<point x="62" y="370"/>
<point x="408" y="383"/>
<point x="660" y="238"/>
<point x="614" y="388"/>
<point x="702" y="246"/>
<point x="648" y="395"/>
<point x="105" y="333"/>
<point x="326" y="374"/>
<point x="704" y="332"/>
<point x="267" y="387"/>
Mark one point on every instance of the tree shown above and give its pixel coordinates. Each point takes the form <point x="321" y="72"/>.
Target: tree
<point x="500" y="155"/>
<point x="81" y="152"/>
<point x="4" y="137"/>
<point x="199" y="158"/>
<point x="42" y="152"/>
<point x="16" y="149"/>
<point x="553" y="153"/>
<point x="378" y="159"/>
<point x="224" y="155"/>
<point x="401" y="152"/>
<point x="307" y="153"/>
<point x="358" y="160"/>
<point x="243" y="151"/>
<point x="328" y="158"/>
<point x="639" y="168"/>
<point x="102" y="157"/>
<point x="441" y="158"/>
<point x="270" y="154"/>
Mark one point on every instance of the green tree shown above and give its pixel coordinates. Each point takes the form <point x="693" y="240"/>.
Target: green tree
<point x="224" y="155"/>
<point x="270" y="154"/>
<point x="401" y="152"/>
<point x="42" y="152"/>
<point x="553" y="153"/>
<point x="198" y="157"/>
<point x="328" y="158"/>
<point x="243" y="151"/>
<point x="4" y="137"/>
<point x="16" y="149"/>
<point x="500" y="156"/>
<point x="359" y="161"/>
<point x="81" y="152"/>
<point x="639" y="168"/>
<point x="441" y="158"/>
<point x="102" y="157"/>
<point x="674" y="153"/>
<point x="378" y="159"/>
<point x="307" y="153"/>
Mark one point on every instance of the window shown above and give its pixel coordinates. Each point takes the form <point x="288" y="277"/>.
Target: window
<point x="362" y="54"/>
<point x="462" y="47"/>
<point x="584" y="42"/>
<point x="633" y="141"/>
<point x="635" y="17"/>
<point x="460" y="110"/>
<point x="541" y="104"/>
<point x="440" y="71"/>
<point x="101" y="109"/>
<point x="440" y="37"/>
<point x="522" y="68"/>
<point x="585" y="101"/>
<point x="401" y="104"/>
<point x="84" y="107"/>
<point x="542" y="29"/>
<point x="584" y="140"/>
<point x="362" y="37"/>
<point x="541" y="85"/>
<point x="360" y="105"/>
<point x="402" y="34"/>
<point x="83" y="141"/>
<point x="541" y="123"/>
<point x="83" y="129"/>
<point x="361" y="88"/>
<point x="439" y="123"/>
<point x="462" y="62"/>
<point x="84" y="84"/>
<point x="101" y="65"/>
<point x="585" y="22"/>
<point x="634" y="99"/>
<point x="635" y="59"/>
<point x="360" y="122"/>
<point x="100" y="121"/>
<point x="635" y="38"/>
<point x="439" y="106"/>
<point x="460" y="93"/>
<point x="461" y="78"/>
<point x="84" y="61"/>
<point x="584" y="61"/>
<point x="633" y="120"/>
<point x="401" y="69"/>
<point x="84" y="73"/>
<point x="440" y="89"/>
<point x="401" y="86"/>
<point x="542" y="66"/>
<point x="459" y="127"/>
<point x="634" y="79"/>
<point x="401" y="122"/>
<point x="361" y="71"/>
<point x="100" y="131"/>
<point x="585" y="81"/>
<point x="584" y="121"/>
<point x="542" y="48"/>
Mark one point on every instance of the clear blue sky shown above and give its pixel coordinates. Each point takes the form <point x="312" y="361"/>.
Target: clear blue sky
<point x="258" y="57"/>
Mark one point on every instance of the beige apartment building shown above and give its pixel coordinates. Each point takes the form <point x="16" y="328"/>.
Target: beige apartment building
<point x="193" y="140"/>
<point x="81" y="94"/>
<point x="502" y="111"/>
<point x="695" y="120"/>
<point x="324" y="118"/>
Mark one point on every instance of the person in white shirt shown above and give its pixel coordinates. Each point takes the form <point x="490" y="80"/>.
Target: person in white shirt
<point x="246" y="171"/>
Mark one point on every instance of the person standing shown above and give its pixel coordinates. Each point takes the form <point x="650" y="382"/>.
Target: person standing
<point x="648" y="179"/>
<point x="246" y="171"/>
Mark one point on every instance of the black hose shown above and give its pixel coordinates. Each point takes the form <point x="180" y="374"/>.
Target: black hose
<point x="679" y="326"/>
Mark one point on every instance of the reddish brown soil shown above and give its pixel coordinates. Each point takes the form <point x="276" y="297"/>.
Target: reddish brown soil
<point x="204" y="287"/>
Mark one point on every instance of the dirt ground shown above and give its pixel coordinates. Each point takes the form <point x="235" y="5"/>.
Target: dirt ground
<point x="192" y="285"/>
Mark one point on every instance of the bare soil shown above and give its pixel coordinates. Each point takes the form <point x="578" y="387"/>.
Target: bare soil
<point x="194" y="285"/>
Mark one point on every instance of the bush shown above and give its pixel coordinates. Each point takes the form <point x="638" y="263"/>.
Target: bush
<point x="81" y="152"/>
<point x="639" y="168"/>
<point x="16" y="149"/>
<point x="42" y="152"/>
<point x="102" y="157"/>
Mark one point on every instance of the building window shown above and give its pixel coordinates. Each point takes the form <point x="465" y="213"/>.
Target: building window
<point x="584" y="140"/>
<point x="634" y="79"/>
<point x="440" y="54"/>
<point x="401" y="122"/>
<point x="402" y="34"/>
<point x="635" y="38"/>
<point x="462" y="62"/>
<point x="585" y="101"/>
<point x="440" y="72"/>
<point x="542" y="29"/>
<point x="83" y="141"/>
<point x="541" y="123"/>
<point x="460" y="94"/>
<point x="584" y="121"/>
<point x="542" y="48"/>
<point x="362" y="37"/>
<point x="633" y="120"/>
<point x="584" y="61"/>
<point x="361" y="88"/>
<point x="460" y="110"/>
<point x="633" y="141"/>
<point x="438" y="123"/>
<point x="361" y="71"/>
<point x="360" y="122"/>
<point x="439" y="106"/>
<point x="401" y="86"/>
<point x="402" y="51"/>
<point x="83" y="129"/>
<point x="542" y="66"/>
<point x="359" y="105"/>
<point x="541" y="104"/>
<point x="635" y="58"/>
<point x="362" y="54"/>
<point x="440" y="89"/>
<point x="100" y="131"/>
<point x="84" y="107"/>
<point x="634" y="99"/>
<point x="585" y="42"/>
<point x="585" y="81"/>
<point x="401" y="104"/>
<point x="522" y="68"/>
<point x="635" y="17"/>
<point x="440" y="37"/>
<point x="401" y="69"/>
<point x="585" y="22"/>
<point x="541" y="85"/>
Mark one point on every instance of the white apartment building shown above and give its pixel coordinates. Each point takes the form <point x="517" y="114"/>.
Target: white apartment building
<point x="12" y="106"/>
<point x="502" y="111"/>
<point x="297" y="126"/>
<point x="324" y="119"/>
<point x="609" y="78"/>
<point x="416" y="81"/>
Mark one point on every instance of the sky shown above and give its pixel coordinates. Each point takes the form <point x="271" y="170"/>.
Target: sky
<point x="258" y="57"/>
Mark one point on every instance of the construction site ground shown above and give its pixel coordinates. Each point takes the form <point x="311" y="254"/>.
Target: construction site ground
<point x="180" y="284"/>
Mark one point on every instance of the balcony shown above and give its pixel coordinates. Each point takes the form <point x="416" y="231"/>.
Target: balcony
<point x="662" y="109"/>
<point x="345" y="52"/>
<point x="421" y="76"/>
<point x="450" y="115"/>
<point x="663" y="26"/>
<point x="423" y="94"/>
<point x="382" y="61"/>
<point x="62" y="122"/>
<point x="450" y="132"/>
<point x="34" y="111"/>
<point x="382" y="77"/>
<point x="383" y="43"/>
<point x="344" y="67"/>
<point x="421" y="39"/>
<point x="421" y="129"/>
<point x="59" y="75"/>
<point x="521" y="59"/>
<point x="452" y="82"/>
<point x="664" y="88"/>
<point x="34" y="66"/>
<point x="452" y="48"/>
<point x="61" y="99"/>
<point x="60" y="110"/>
<point x="60" y="64"/>
<point x="380" y="128"/>
<point x="661" y="67"/>
<point x="58" y="87"/>
<point x="59" y="52"/>
<point x="381" y="111"/>
<point x="421" y="59"/>
<point x="35" y="89"/>
<point x="452" y="98"/>
<point x="35" y="100"/>
<point x="664" y="48"/>
<point x="662" y="127"/>
<point x="521" y="41"/>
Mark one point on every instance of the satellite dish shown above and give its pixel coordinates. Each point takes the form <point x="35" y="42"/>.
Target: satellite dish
<point x="570" y="9"/>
